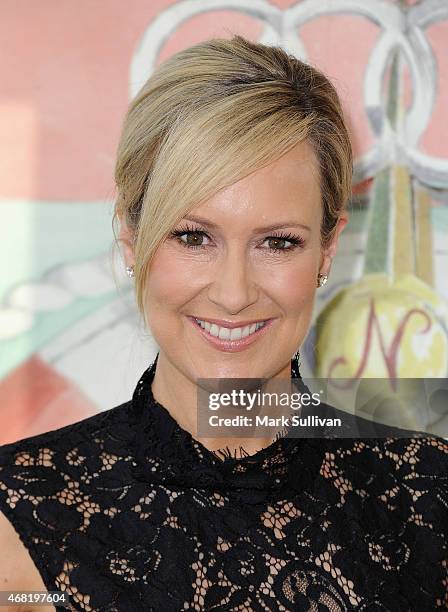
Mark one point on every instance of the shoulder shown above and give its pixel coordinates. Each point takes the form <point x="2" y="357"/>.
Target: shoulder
<point x="39" y="467"/>
<point x="58" y="439"/>
<point x="406" y="475"/>
<point x="419" y="464"/>
<point x="34" y="464"/>
<point x="422" y="454"/>
<point x="376" y="448"/>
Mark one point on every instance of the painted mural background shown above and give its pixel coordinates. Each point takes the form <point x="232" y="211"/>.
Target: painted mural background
<point x="70" y="340"/>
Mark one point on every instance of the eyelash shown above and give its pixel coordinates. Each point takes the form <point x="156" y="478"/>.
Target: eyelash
<point x="296" y="241"/>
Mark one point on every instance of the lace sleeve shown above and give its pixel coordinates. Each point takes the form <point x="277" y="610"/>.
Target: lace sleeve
<point x="45" y="493"/>
<point x="18" y="508"/>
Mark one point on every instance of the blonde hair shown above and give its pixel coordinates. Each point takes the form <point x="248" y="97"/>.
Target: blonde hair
<point x="210" y="115"/>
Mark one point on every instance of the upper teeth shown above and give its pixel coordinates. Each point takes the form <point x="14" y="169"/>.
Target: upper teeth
<point x="226" y="333"/>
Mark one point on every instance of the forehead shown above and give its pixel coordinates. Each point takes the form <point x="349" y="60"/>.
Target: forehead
<point x="288" y="187"/>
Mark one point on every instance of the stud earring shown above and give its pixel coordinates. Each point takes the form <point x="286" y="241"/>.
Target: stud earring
<point x="130" y="271"/>
<point x="321" y="279"/>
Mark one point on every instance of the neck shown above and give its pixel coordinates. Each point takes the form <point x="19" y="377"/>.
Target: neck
<point x="178" y="394"/>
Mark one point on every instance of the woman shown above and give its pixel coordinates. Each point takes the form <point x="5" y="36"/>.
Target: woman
<point x="233" y="173"/>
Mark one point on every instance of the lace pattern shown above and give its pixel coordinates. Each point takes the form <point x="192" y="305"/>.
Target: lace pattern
<point x="125" y="510"/>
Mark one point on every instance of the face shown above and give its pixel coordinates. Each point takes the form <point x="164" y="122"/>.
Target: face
<point x="250" y="254"/>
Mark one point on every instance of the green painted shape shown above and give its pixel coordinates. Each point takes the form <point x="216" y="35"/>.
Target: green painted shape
<point x="439" y="218"/>
<point x="377" y="248"/>
<point x="392" y="105"/>
<point x="380" y="228"/>
<point x="47" y="327"/>
<point x="358" y="218"/>
<point x="37" y="236"/>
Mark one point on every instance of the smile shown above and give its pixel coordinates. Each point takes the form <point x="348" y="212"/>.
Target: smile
<point x="231" y="339"/>
<point x="225" y="333"/>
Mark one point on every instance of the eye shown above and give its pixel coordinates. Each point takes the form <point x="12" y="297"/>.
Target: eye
<point x="278" y="241"/>
<point x="194" y="237"/>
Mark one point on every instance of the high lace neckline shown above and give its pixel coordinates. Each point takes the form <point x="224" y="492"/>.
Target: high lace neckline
<point x="189" y="462"/>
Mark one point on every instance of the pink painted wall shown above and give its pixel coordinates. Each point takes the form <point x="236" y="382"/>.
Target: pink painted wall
<point x="64" y="86"/>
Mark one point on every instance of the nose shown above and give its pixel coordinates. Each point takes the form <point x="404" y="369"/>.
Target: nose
<point x="234" y="286"/>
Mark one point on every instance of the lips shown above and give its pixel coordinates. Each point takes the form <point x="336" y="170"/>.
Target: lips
<point x="231" y="324"/>
<point x="229" y="333"/>
<point x="228" y="345"/>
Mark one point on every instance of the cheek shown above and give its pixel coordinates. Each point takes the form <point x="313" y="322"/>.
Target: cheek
<point x="166" y="289"/>
<point x="168" y="282"/>
<point x="294" y="285"/>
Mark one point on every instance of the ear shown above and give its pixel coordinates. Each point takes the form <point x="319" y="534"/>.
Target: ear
<point x="127" y="240"/>
<point x="330" y="250"/>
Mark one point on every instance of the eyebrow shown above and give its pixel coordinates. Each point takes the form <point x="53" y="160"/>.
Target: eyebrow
<point x="265" y="228"/>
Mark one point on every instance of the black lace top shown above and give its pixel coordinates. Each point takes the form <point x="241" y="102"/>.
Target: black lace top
<point x="126" y="511"/>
